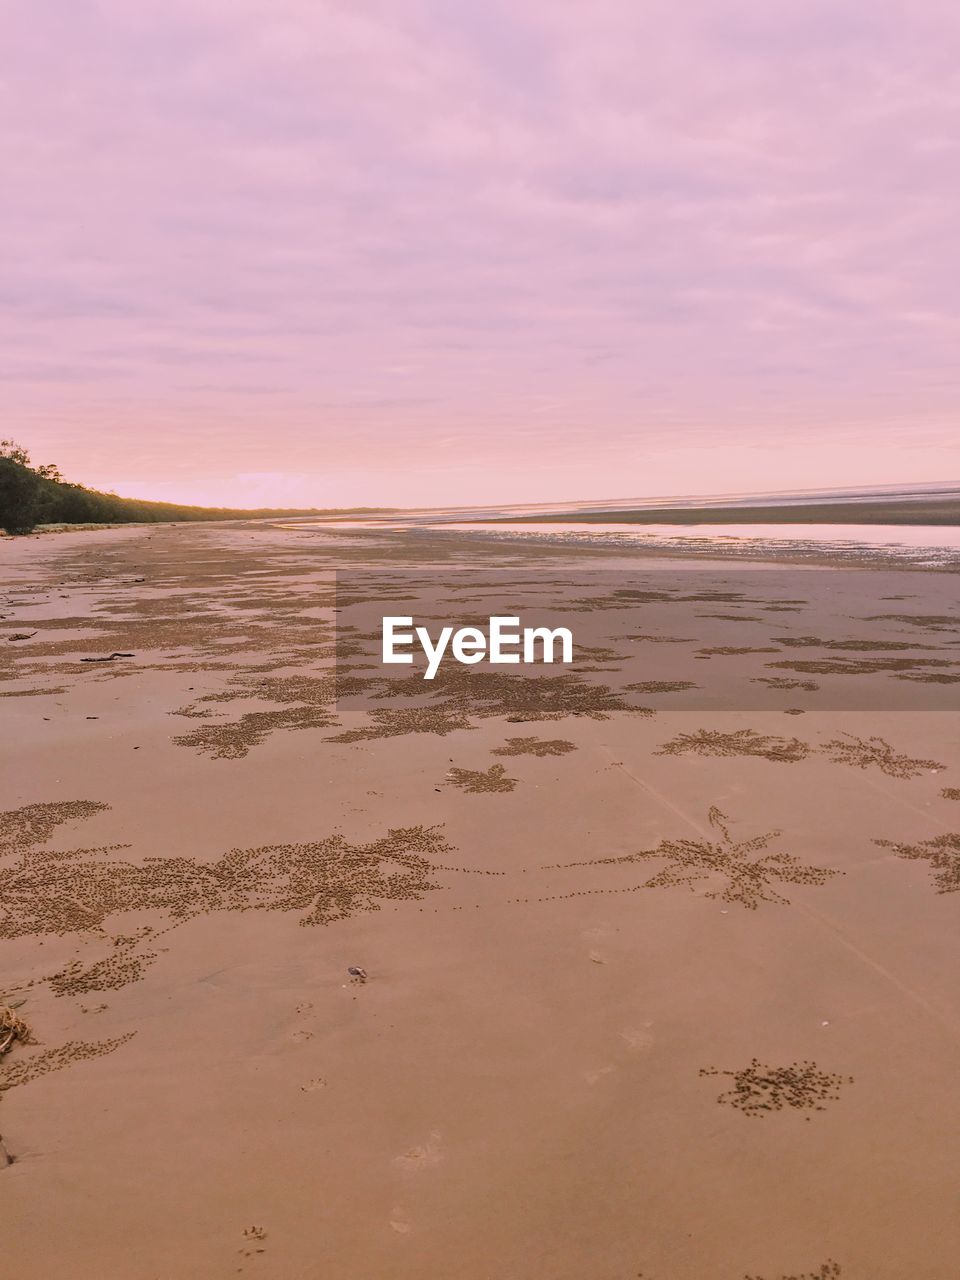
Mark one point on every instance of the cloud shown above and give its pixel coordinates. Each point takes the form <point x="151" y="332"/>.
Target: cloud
<point x="650" y="226"/>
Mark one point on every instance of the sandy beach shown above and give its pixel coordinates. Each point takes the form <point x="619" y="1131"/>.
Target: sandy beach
<point x="656" y="979"/>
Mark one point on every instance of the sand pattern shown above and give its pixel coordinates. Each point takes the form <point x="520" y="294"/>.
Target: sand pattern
<point x="395" y="723"/>
<point x="494" y="693"/>
<point x="305" y="702"/>
<point x="784" y="682"/>
<point x="749" y="880"/>
<point x="660" y="686"/>
<point x="863" y="666"/>
<point x="477" y="781"/>
<point x="460" y="696"/>
<point x="943" y="854"/>
<point x="535" y="747"/>
<point x="848" y="749"/>
<point x="29" y="693"/>
<point x="759" y="1089"/>
<point x="124" y="966"/>
<point x="21" y="829"/>
<point x="828" y="1270"/>
<point x="22" y="1070"/>
<point x="925" y="621"/>
<point x="852" y="646"/>
<point x="233" y="740"/>
<point x="875" y="752"/>
<point x="57" y="892"/>
<point x="739" y="742"/>
<point x="733" y="650"/>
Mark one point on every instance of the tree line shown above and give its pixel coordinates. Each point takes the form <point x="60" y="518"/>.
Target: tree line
<point x="33" y="495"/>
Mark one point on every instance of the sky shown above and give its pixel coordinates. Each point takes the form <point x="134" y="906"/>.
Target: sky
<point x="433" y="252"/>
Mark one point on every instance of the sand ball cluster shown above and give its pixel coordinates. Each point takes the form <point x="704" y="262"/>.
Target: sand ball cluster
<point x="476" y="781"/>
<point x="759" y="1089"/>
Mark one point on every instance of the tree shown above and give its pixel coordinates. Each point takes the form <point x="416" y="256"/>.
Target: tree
<point x="31" y="495"/>
<point x="20" y="490"/>
<point x="15" y="452"/>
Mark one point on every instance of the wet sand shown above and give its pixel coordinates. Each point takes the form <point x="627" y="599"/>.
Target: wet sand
<point x="651" y="990"/>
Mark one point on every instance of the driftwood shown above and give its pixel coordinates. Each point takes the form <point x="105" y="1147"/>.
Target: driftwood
<point x="12" y="1028"/>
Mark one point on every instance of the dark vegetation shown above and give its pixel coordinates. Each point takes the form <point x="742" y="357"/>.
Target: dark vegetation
<point x="32" y="495"/>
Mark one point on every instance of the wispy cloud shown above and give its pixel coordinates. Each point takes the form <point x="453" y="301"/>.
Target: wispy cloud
<point x="432" y="250"/>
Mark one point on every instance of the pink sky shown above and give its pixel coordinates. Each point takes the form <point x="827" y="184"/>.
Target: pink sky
<point x="457" y="251"/>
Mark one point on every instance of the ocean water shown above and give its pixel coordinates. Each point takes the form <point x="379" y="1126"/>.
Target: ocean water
<point x="935" y="542"/>
<point x="921" y="546"/>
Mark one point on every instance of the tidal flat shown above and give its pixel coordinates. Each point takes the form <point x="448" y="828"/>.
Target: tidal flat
<point x="642" y="967"/>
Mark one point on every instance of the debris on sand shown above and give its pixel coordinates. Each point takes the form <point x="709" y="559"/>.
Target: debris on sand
<point x="12" y="1029"/>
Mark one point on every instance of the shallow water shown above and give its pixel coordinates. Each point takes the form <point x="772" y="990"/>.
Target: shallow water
<point x="932" y="537"/>
<point x="935" y="546"/>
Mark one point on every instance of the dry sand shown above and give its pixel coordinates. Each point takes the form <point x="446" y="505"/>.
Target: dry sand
<point x="644" y="995"/>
